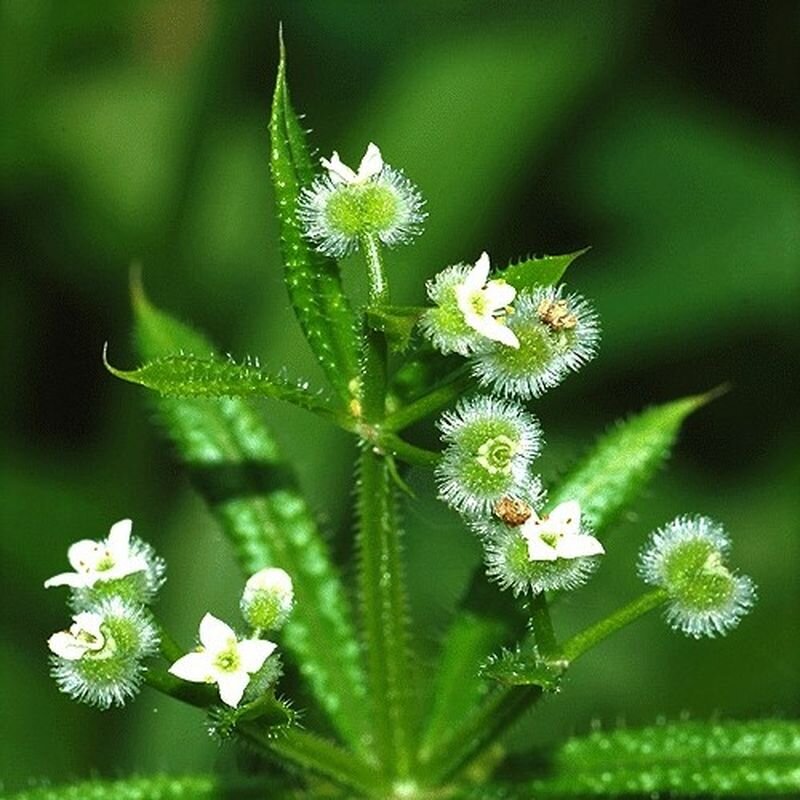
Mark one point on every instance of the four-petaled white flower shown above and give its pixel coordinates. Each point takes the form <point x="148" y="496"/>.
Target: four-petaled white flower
<point x="558" y="535"/>
<point x="84" y="636"/>
<point x="370" y="166"/>
<point x="106" y="560"/>
<point x="483" y="303"/>
<point x="223" y="659"/>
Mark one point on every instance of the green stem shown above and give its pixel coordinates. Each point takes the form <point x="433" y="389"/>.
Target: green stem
<point x="444" y="394"/>
<point x="411" y="454"/>
<point x="168" y="647"/>
<point x="585" y="640"/>
<point x="542" y="627"/>
<point x="385" y="615"/>
<point x="376" y="272"/>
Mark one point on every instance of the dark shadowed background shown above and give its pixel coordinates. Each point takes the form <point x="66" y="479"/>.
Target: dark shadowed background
<point x="663" y="134"/>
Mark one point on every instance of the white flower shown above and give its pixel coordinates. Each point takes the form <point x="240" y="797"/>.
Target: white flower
<point x="223" y="659"/>
<point x="93" y="561"/>
<point x="83" y="636"/>
<point x="483" y="303"/>
<point x="370" y="166"/>
<point x="558" y="535"/>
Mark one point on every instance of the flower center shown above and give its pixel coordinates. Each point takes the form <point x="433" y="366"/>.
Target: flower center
<point x="228" y="660"/>
<point x="496" y="454"/>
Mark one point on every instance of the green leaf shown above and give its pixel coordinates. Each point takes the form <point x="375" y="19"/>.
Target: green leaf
<point x="396" y="322"/>
<point x="164" y="787"/>
<point x="458" y="685"/>
<point x="312" y="280"/>
<point x="520" y="668"/>
<point x="188" y="376"/>
<point x="687" y="759"/>
<point x="619" y="466"/>
<point x="234" y="463"/>
<point x="544" y="271"/>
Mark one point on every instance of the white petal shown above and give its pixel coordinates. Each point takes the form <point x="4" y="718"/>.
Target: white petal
<point x="504" y="335"/>
<point x="68" y="579"/>
<point x="254" y="652"/>
<point x="64" y="644"/>
<point x="215" y="635"/>
<point x="538" y="550"/>
<point x="85" y="554"/>
<point x="492" y="329"/>
<point x="499" y="294"/>
<point x="371" y="164"/>
<point x="566" y="517"/>
<point x="479" y="274"/>
<point x="128" y="566"/>
<point x="195" y="667"/>
<point x="89" y="622"/>
<point x="232" y="686"/>
<point x="578" y="546"/>
<point x="337" y="170"/>
<point x="119" y="538"/>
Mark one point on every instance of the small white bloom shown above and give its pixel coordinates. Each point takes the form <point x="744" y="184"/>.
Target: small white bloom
<point x="558" y="535"/>
<point x="483" y="303"/>
<point x="223" y="659"/>
<point x="105" y="560"/>
<point x="370" y="166"/>
<point x="83" y="636"/>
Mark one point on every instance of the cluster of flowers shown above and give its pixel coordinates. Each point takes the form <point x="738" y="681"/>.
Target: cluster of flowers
<point x="100" y="658"/>
<point x="520" y="344"/>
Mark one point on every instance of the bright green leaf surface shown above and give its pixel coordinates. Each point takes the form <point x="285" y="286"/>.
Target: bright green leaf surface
<point x="544" y="271"/>
<point x="690" y="759"/>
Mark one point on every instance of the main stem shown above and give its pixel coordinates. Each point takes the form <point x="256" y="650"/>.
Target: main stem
<point x="381" y="578"/>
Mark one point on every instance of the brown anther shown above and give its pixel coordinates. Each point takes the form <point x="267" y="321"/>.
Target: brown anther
<point x="556" y="315"/>
<point x="512" y="511"/>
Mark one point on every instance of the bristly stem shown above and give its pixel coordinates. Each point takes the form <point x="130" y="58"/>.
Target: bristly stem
<point x="381" y="578"/>
<point x="411" y="454"/>
<point x="587" y="639"/>
<point x="376" y="272"/>
<point x="542" y="626"/>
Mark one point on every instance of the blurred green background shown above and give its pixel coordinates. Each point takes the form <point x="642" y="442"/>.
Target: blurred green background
<point x="663" y="134"/>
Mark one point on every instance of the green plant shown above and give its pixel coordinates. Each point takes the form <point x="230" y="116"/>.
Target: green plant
<point x="522" y="334"/>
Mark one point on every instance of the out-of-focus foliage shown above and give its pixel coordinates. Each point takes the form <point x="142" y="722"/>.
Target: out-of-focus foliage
<point x="661" y="134"/>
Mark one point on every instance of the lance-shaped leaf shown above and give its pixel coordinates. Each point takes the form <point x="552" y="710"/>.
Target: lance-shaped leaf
<point x="543" y="271"/>
<point x="187" y="376"/>
<point x="688" y="759"/>
<point x="235" y="464"/>
<point x="312" y="280"/>
<point x="166" y="787"/>
<point x="623" y="461"/>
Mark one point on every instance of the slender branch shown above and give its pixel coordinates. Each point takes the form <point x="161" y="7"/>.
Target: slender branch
<point x="542" y="627"/>
<point x="411" y="454"/>
<point x="444" y="394"/>
<point x="587" y="639"/>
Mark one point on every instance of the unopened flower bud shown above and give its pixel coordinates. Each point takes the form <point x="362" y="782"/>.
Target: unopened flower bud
<point x="267" y="599"/>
